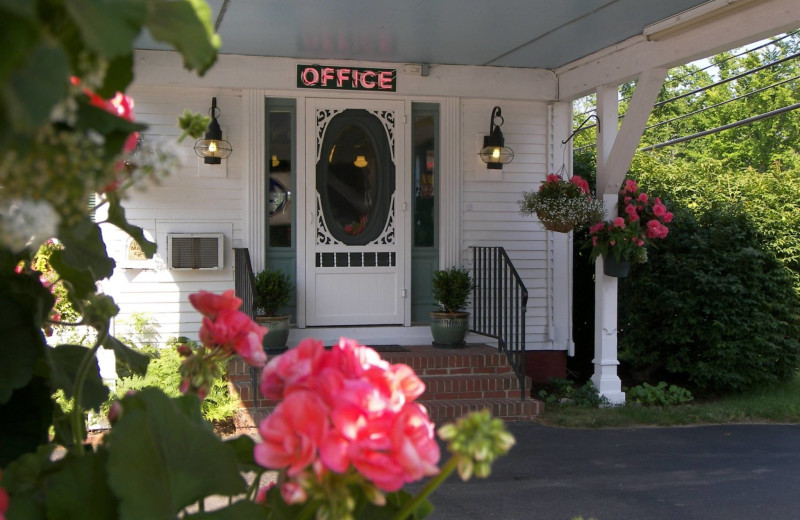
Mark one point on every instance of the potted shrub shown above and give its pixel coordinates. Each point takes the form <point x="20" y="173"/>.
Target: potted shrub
<point x="451" y="288"/>
<point x="273" y="291"/>
<point x="562" y="205"/>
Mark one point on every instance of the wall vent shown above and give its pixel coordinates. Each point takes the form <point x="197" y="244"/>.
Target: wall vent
<point x="195" y="251"/>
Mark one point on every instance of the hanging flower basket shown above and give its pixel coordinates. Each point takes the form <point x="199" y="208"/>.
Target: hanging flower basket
<point x="642" y="219"/>
<point x="562" y="206"/>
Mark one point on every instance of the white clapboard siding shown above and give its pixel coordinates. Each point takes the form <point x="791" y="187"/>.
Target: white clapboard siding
<point x="194" y="198"/>
<point x="490" y="213"/>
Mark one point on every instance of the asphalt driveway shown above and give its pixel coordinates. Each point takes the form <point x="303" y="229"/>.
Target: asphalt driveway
<point x="737" y="472"/>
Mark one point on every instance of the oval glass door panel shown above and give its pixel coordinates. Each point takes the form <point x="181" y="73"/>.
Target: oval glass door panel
<point x="355" y="177"/>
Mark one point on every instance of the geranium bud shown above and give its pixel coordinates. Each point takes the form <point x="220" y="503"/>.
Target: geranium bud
<point x="184" y="350"/>
<point x="114" y="412"/>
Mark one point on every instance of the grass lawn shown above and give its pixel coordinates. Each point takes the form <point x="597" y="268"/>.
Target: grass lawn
<point x="780" y="404"/>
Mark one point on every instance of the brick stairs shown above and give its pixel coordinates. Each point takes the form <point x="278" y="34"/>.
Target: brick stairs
<point x="457" y="382"/>
<point x="464" y="380"/>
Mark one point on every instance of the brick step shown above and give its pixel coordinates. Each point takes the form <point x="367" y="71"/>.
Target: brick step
<point x="508" y="409"/>
<point x="470" y="386"/>
<point x="440" y="412"/>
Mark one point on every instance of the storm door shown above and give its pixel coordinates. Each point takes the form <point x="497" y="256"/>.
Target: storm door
<point x="355" y="254"/>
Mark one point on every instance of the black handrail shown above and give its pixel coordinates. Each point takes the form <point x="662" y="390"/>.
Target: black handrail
<point x="499" y="302"/>
<point x="244" y="283"/>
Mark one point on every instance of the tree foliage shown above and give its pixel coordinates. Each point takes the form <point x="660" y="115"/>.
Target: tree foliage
<point x="716" y="304"/>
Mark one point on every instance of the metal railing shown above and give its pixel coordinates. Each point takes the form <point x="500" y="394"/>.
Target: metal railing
<point x="499" y="302"/>
<point x="244" y="283"/>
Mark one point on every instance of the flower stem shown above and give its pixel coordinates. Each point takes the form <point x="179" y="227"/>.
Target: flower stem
<point x="83" y="370"/>
<point x="429" y="488"/>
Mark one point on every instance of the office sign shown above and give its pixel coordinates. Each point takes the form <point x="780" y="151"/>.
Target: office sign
<point x="346" y="78"/>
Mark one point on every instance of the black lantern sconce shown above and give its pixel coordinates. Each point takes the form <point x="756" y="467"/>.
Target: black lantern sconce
<point x="494" y="152"/>
<point x="213" y="148"/>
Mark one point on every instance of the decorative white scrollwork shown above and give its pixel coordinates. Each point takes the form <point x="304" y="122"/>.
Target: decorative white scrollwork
<point x="387" y="118"/>
<point x="324" y="116"/>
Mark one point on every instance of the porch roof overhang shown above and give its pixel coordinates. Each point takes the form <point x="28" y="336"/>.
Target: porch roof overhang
<point x="586" y="44"/>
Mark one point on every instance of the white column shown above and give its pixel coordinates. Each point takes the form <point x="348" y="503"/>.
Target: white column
<point x="450" y="185"/>
<point x="254" y="209"/>
<point x="605" y="376"/>
<point x="561" y="243"/>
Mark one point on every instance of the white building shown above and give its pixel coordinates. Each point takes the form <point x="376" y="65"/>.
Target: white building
<point x="300" y="85"/>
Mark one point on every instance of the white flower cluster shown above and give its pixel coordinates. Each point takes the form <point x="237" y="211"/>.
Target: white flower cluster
<point x="26" y="223"/>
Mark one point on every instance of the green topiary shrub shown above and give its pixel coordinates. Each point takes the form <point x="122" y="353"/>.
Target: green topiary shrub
<point x="451" y="288"/>
<point x="273" y="291"/>
<point x="711" y="307"/>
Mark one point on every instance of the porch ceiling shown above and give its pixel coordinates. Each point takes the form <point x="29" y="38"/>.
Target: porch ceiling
<point x="509" y="33"/>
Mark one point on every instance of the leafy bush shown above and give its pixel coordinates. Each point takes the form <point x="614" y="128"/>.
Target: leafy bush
<point x="658" y="395"/>
<point x="564" y="392"/>
<point x="451" y="288"/>
<point x="711" y="307"/>
<point x="162" y="372"/>
<point x="273" y="291"/>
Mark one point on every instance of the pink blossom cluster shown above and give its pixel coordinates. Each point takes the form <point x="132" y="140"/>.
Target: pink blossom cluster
<point x="225" y="331"/>
<point x="642" y="218"/>
<point x="121" y="106"/>
<point x="226" y="328"/>
<point x="3" y="500"/>
<point x="554" y="182"/>
<point x="638" y="206"/>
<point x="341" y="410"/>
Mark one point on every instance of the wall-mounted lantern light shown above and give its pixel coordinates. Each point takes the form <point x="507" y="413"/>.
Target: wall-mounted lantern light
<point x="494" y="152"/>
<point x="213" y="148"/>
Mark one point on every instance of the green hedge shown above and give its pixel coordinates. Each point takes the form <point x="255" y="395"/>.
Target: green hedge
<point x="711" y="307"/>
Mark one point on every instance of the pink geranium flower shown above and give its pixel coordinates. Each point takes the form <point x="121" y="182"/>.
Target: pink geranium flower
<point x="209" y="304"/>
<point x="292" y="433"/>
<point x="619" y="222"/>
<point x="234" y="330"/>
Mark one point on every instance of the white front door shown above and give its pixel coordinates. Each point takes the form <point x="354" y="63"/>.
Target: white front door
<point x="355" y="242"/>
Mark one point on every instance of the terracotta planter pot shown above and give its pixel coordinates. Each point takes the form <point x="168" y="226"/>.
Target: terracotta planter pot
<point x="277" y="333"/>
<point x="449" y="329"/>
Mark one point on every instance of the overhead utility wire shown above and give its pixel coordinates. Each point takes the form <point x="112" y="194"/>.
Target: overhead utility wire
<point x="715" y="105"/>
<point x="712" y="65"/>
<point x="720" y="82"/>
<point x="704" y="133"/>
<point x="746" y="51"/>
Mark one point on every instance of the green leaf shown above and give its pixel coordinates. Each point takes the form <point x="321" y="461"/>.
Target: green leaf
<point x="162" y="460"/>
<point x="243" y="510"/>
<point x="187" y="26"/>
<point x="116" y="216"/>
<point x="22" y="479"/>
<point x="394" y="503"/>
<point x="243" y="445"/>
<point x="32" y="89"/>
<point x="107" y="28"/>
<point x="85" y="250"/>
<point x="24" y="304"/>
<point x="24" y="474"/>
<point x="25" y="420"/>
<point x="82" y="283"/>
<point x="118" y="76"/>
<point x="19" y="27"/>
<point x="80" y="489"/>
<point x="114" y="129"/>
<point x="65" y="361"/>
<point x="135" y="361"/>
